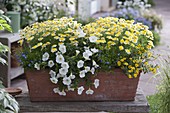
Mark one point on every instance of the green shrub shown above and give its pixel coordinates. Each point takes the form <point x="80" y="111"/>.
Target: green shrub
<point x="154" y="103"/>
<point x="165" y="91"/>
<point x="157" y="38"/>
<point x="160" y="102"/>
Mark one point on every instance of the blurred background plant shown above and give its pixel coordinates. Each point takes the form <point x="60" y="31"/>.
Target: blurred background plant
<point x="36" y="10"/>
<point x="160" y="102"/>
<point x="154" y="18"/>
<point x="137" y="4"/>
<point x="3" y="26"/>
<point x="4" y="20"/>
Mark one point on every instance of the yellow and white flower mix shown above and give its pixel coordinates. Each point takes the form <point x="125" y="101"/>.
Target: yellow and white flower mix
<point x="73" y="53"/>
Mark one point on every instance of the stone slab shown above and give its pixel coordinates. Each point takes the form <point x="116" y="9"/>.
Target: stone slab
<point x="140" y="105"/>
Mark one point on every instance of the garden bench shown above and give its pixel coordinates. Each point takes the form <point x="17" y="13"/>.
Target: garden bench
<point x="139" y="105"/>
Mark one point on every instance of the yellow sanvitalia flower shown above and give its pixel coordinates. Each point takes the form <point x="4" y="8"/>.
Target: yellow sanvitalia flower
<point x="135" y="75"/>
<point x="148" y="46"/>
<point x="127" y="51"/>
<point x="21" y="42"/>
<point x="44" y="45"/>
<point x="30" y="38"/>
<point x="72" y="38"/>
<point x="125" y="63"/>
<point x="130" y="71"/>
<point x="118" y="34"/>
<point x="126" y="42"/>
<point x="40" y="39"/>
<point x="136" y="65"/>
<point x="61" y="39"/>
<point x="127" y="33"/>
<point x="101" y="41"/>
<point x="36" y="46"/>
<point x="109" y="37"/>
<point x="121" y="41"/>
<point x="121" y="47"/>
<point x="119" y="63"/>
<point x="53" y="34"/>
<point x="56" y="37"/>
<point x="130" y="76"/>
<point x="53" y="50"/>
<point x="111" y="43"/>
<point x="115" y="39"/>
<point x="150" y="43"/>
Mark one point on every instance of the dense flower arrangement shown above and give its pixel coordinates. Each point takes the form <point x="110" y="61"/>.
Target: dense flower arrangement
<point x="122" y="44"/>
<point x="73" y="53"/>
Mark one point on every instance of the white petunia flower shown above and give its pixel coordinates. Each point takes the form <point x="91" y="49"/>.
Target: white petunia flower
<point x="80" y="63"/>
<point x="92" y="70"/>
<point x="63" y="71"/>
<point x="87" y="54"/>
<point x="59" y="75"/>
<point x="59" y="58"/>
<point x="37" y="66"/>
<point x="95" y="64"/>
<point x="81" y="33"/>
<point x="93" y="38"/>
<point x="70" y="88"/>
<point x="45" y="56"/>
<point x="54" y="80"/>
<point x="56" y="90"/>
<point x="80" y="90"/>
<point x="62" y="48"/>
<point x="96" y="83"/>
<point x="87" y="69"/>
<point x="62" y="93"/>
<point x="72" y="76"/>
<point x="50" y="63"/>
<point x="65" y="65"/>
<point x="77" y="52"/>
<point x="94" y="50"/>
<point x="86" y="48"/>
<point x="52" y="73"/>
<point x="82" y="74"/>
<point x="89" y="92"/>
<point x="66" y="81"/>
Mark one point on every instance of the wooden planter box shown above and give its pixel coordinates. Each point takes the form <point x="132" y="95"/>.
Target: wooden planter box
<point x="113" y="87"/>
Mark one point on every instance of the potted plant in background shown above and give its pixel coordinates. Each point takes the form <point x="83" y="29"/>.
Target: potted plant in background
<point x="70" y="62"/>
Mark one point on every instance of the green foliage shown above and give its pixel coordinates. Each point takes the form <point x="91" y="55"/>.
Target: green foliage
<point x="151" y="2"/>
<point x="4" y="22"/>
<point x="154" y="103"/>
<point x="160" y="102"/>
<point x="3" y="26"/>
<point x="164" y="90"/>
<point x="7" y="103"/>
<point x="3" y="50"/>
<point x="157" y="38"/>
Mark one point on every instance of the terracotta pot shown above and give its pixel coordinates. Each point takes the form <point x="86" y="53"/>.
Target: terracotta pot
<point x="113" y="87"/>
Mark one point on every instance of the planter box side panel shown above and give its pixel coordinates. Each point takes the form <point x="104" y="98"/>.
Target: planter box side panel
<point x="113" y="87"/>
